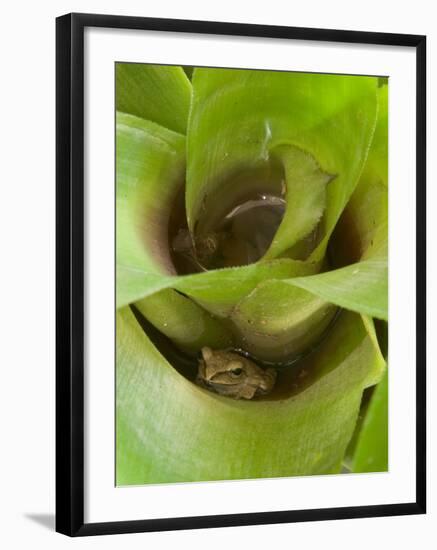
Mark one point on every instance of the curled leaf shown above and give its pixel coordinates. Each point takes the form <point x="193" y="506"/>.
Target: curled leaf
<point x="170" y="430"/>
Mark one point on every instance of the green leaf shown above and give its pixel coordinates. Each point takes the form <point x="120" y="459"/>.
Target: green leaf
<point x="376" y="374"/>
<point x="221" y="290"/>
<point x="360" y="287"/>
<point x="362" y="231"/>
<point x="170" y="430"/>
<point x="306" y="199"/>
<point x="376" y="167"/>
<point x="371" y="451"/>
<point x="188" y="71"/>
<point x="277" y="322"/>
<point x="150" y="171"/>
<point x="188" y="325"/>
<point x="239" y="117"/>
<point x="362" y="234"/>
<point x="154" y="92"/>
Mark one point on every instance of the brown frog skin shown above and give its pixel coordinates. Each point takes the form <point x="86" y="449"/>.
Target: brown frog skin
<point x="232" y="375"/>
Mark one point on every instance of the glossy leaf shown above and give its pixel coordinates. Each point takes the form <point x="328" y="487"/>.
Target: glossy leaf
<point x="371" y="451"/>
<point x="150" y="171"/>
<point x="278" y="322"/>
<point x="362" y="234"/>
<point x="239" y="117"/>
<point x="169" y="429"/>
<point x="362" y="231"/>
<point x="188" y="325"/>
<point x="157" y="93"/>
<point x="222" y="289"/>
<point x="361" y="287"/>
<point x="306" y="199"/>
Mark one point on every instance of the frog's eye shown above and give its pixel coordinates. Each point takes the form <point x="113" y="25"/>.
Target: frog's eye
<point x="235" y="368"/>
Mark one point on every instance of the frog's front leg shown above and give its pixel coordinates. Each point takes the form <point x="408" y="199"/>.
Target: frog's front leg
<point x="246" y="392"/>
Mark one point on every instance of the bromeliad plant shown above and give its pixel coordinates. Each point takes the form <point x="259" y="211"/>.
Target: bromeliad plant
<point x="252" y="216"/>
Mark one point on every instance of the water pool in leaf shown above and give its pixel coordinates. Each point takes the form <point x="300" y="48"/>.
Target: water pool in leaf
<point x="237" y="227"/>
<point x="292" y="377"/>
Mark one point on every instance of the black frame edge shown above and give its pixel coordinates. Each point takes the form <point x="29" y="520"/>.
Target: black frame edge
<point x="70" y="278"/>
<point x="246" y="29"/>
<point x="241" y="520"/>
<point x="421" y="274"/>
<point x="63" y="344"/>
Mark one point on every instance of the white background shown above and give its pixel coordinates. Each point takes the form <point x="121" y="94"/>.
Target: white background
<point x="27" y="274"/>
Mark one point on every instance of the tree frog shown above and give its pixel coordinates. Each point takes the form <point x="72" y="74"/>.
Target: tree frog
<point x="230" y="374"/>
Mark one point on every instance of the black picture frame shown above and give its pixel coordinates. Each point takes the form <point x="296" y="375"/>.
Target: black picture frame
<point x="70" y="273"/>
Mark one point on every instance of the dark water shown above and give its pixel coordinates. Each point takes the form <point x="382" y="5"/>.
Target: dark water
<point x="242" y="238"/>
<point x="236" y="225"/>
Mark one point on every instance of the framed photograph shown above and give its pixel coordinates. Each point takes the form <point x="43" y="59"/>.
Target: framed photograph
<point x="240" y="274"/>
